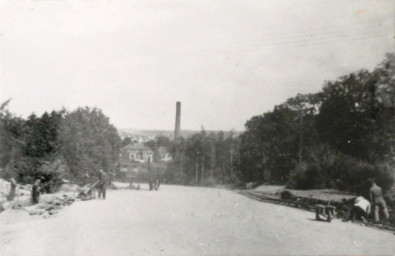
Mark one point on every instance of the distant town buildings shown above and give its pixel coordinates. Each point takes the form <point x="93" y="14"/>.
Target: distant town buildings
<point x="137" y="153"/>
<point x="134" y="156"/>
<point x="136" y="138"/>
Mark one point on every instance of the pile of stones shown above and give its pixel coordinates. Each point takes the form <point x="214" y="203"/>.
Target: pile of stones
<point x="51" y="205"/>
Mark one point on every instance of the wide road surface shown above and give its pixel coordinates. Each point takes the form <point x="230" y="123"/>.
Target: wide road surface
<point x="180" y="220"/>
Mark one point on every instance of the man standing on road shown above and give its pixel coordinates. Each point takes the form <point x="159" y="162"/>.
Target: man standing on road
<point x="36" y="189"/>
<point x="377" y="200"/>
<point x="156" y="180"/>
<point x="102" y="184"/>
<point x="11" y="195"/>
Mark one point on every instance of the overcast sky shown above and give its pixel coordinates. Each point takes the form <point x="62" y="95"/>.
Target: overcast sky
<point x="225" y="60"/>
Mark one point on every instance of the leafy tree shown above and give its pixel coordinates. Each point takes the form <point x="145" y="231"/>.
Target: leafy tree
<point x="41" y="134"/>
<point x="350" y="121"/>
<point x="384" y="135"/>
<point x="57" y="145"/>
<point x="88" y="142"/>
<point x="163" y="141"/>
<point x="126" y="141"/>
<point x="28" y="143"/>
<point x="271" y="146"/>
<point x="11" y="136"/>
<point x="348" y="114"/>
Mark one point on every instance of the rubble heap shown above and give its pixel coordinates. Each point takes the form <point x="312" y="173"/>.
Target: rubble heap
<point x="50" y="204"/>
<point x="20" y="191"/>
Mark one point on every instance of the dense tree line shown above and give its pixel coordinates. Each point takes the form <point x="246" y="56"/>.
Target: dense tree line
<point x="57" y="145"/>
<point x="336" y="138"/>
<point x="204" y="159"/>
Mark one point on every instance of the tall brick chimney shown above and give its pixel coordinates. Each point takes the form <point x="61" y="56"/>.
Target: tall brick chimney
<point x="177" y="130"/>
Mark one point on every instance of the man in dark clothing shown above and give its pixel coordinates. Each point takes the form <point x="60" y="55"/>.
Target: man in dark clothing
<point x="36" y="191"/>
<point x="154" y="180"/>
<point x="102" y="184"/>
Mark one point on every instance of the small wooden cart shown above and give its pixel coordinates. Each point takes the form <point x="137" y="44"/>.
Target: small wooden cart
<point x="328" y="212"/>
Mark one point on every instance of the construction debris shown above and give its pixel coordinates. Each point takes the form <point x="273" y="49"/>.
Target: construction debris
<point x="51" y="204"/>
<point x="48" y="205"/>
<point x="5" y="187"/>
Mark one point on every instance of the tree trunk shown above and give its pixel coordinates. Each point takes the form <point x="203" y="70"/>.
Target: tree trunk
<point x="196" y="172"/>
<point x="231" y="164"/>
<point x="222" y="173"/>
<point x="202" y="175"/>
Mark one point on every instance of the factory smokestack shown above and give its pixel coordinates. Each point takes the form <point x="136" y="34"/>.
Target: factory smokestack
<point x="177" y="130"/>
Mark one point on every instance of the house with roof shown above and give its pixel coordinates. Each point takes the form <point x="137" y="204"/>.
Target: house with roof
<point x="133" y="155"/>
<point x="137" y="153"/>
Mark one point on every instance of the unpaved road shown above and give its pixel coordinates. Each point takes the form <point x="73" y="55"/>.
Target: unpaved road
<point x="180" y="220"/>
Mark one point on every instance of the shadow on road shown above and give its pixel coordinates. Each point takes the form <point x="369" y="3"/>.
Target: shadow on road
<point x="318" y="220"/>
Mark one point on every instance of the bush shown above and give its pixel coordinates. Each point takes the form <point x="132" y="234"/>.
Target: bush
<point x="23" y="169"/>
<point x="122" y="176"/>
<point x="26" y="170"/>
<point x="175" y="177"/>
<point x="286" y="195"/>
<point x="52" y="174"/>
<point x="314" y="174"/>
<point x="212" y="181"/>
<point x="352" y="174"/>
<point x="311" y="178"/>
<point x="341" y="172"/>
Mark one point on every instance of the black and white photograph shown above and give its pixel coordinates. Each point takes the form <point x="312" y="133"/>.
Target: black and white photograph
<point x="197" y="127"/>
